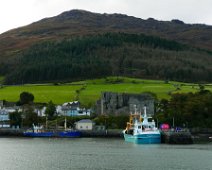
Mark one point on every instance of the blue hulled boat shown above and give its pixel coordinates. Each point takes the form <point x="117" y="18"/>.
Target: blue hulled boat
<point x="141" y="131"/>
<point x="69" y="134"/>
<point x="38" y="134"/>
<point x="38" y="131"/>
<point x="63" y="134"/>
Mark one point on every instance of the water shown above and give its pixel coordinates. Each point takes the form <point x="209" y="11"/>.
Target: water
<point x="100" y="154"/>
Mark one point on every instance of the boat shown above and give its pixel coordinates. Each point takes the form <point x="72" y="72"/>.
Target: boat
<point x="140" y="130"/>
<point x="62" y="134"/>
<point x="69" y="134"/>
<point x="38" y="134"/>
<point x="38" y="131"/>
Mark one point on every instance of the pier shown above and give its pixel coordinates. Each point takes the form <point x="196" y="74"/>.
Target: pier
<point x="11" y="132"/>
<point x="110" y="133"/>
<point x="176" y="137"/>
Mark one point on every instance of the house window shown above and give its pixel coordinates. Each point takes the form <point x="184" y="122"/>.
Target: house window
<point x="80" y="127"/>
<point x="86" y="127"/>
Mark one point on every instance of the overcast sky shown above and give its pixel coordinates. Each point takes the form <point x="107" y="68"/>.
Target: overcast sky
<point x="16" y="13"/>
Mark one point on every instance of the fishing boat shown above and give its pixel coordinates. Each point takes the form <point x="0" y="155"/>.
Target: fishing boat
<point x="38" y="131"/>
<point x="69" y="134"/>
<point x="140" y="130"/>
<point x="59" y="134"/>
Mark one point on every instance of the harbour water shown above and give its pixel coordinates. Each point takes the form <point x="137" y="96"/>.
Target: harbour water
<point x="100" y="154"/>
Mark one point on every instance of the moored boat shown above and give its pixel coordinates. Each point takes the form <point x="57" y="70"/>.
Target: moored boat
<point x="38" y="134"/>
<point x="62" y="134"/>
<point x="38" y="131"/>
<point x="140" y="130"/>
<point x="69" y="134"/>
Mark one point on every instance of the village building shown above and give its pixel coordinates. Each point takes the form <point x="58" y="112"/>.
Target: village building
<point x="85" y="124"/>
<point x="4" y="117"/>
<point x="72" y="109"/>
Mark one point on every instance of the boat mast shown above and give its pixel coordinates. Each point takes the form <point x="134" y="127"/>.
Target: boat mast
<point x="46" y="122"/>
<point x="102" y="103"/>
<point x="65" y="123"/>
<point x="135" y="109"/>
<point x="145" y="120"/>
<point x="145" y="111"/>
<point x="140" y="115"/>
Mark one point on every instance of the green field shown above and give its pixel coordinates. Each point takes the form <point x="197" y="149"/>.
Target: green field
<point x="90" y="90"/>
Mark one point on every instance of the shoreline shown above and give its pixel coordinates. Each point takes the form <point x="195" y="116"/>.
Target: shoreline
<point x="197" y="137"/>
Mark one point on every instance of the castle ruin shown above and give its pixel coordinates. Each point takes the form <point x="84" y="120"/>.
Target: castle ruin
<point x="124" y="103"/>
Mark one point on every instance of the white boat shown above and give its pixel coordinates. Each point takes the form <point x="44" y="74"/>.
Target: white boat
<point x="140" y="130"/>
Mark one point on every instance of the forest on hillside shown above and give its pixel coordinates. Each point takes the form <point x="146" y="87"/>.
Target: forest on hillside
<point x="110" y="54"/>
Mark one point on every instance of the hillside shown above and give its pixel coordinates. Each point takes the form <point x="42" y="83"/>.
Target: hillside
<point x="89" y="91"/>
<point x="77" y="23"/>
<point x="116" y="54"/>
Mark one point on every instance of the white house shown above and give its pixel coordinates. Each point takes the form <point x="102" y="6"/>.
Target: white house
<point x="72" y="109"/>
<point x="40" y="112"/>
<point x="4" y="117"/>
<point x="85" y="124"/>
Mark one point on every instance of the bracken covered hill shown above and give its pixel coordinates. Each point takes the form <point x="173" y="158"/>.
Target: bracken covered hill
<point x="79" y="23"/>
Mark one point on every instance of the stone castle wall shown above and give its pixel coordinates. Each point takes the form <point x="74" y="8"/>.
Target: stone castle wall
<point x="123" y="103"/>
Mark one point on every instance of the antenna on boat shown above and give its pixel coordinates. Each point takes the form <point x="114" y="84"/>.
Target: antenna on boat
<point x="65" y="124"/>
<point x="46" y="122"/>
<point x="140" y="113"/>
<point x="135" y="108"/>
<point x="145" y="111"/>
<point x="102" y="103"/>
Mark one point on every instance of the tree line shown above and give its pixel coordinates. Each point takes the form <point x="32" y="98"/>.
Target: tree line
<point x="187" y="110"/>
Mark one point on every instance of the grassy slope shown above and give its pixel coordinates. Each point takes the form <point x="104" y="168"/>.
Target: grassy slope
<point x="44" y="93"/>
<point x="93" y="88"/>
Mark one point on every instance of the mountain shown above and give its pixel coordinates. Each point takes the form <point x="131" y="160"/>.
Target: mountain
<point x="15" y="45"/>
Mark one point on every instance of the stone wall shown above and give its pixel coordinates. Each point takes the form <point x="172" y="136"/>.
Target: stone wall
<point x="1" y="103"/>
<point x="123" y="103"/>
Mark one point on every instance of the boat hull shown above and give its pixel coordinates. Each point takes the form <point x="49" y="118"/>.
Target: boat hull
<point x="39" y="134"/>
<point x="71" y="134"/>
<point x="143" y="138"/>
<point x="63" y="134"/>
